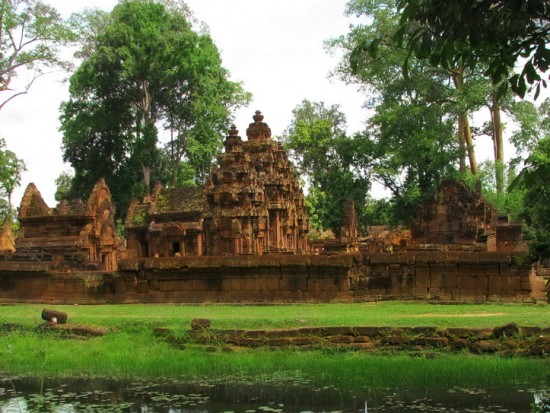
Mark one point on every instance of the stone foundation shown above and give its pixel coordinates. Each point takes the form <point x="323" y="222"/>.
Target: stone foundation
<point x="508" y="340"/>
<point x="434" y="276"/>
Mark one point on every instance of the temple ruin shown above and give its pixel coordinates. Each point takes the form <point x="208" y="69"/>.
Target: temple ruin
<point x="242" y="237"/>
<point x="251" y="205"/>
<point x="73" y="234"/>
<point x="455" y="216"/>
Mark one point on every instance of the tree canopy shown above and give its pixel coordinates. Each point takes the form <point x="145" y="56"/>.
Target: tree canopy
<point x="149" y="77"/>
<point x="11" y="169"/>
<point x="31" y="34"/>
<point x="325" y="156"/>
<point x="498" y="34"/>
<point x="410" y="140"/>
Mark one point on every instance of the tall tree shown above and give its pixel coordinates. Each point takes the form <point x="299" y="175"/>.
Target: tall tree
<point x="373" y="57"/>
<point x="11" y="169"/>
<point x="534" y="180"/>
<point x="408" y="144"/>
<point x="31" y="34"/>
<point x="316" y="140"/>
<point x="148" y="72"/>
<point x="532" y="142"/>
<point x="63" y="186"/>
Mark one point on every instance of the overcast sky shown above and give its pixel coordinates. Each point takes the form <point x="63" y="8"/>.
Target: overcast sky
<point x="274" y="47"/>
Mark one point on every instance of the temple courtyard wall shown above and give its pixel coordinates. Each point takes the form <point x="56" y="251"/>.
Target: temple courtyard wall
<point x="430" y="276"/>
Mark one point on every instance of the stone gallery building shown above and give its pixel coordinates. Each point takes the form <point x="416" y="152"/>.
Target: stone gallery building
<point x="75" y="233"/>
<point x="455" y="215"/>
<point x="251" y="205"/>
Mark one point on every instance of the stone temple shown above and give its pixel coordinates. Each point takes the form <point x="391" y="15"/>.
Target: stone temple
<point x="242" y="238"/>
<point x="74" y="234"/>
<point x="251" y="205"/>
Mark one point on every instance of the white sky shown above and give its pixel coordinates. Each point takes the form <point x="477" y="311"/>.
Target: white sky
<point x="274" y="47"/>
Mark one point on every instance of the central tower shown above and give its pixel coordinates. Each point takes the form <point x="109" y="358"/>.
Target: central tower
<point x="254" y="203"/>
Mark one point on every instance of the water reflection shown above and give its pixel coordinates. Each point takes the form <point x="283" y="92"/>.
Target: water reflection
<point x="26" y="395"/>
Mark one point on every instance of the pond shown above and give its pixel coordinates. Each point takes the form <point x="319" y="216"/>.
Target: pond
<point x="263" y="394"/>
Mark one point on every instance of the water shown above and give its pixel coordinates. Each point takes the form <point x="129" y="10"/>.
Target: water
<point x="273" y="394"/>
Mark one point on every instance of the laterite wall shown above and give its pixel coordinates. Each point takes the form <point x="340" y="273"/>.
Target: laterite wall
<point x="437" y="276"/>
<point x="443" y="276"/>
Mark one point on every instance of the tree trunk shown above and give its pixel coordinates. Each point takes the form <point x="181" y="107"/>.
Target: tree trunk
<point x="467" y="134"/>
<point x="498" y="145"/>
<point x="146" y="170"/>
<point x="464" y="130"/>
<point x="462" y="146"/>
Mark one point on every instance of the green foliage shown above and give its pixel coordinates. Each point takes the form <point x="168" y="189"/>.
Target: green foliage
<point x="327" y="206"/>
<point x="470" y="33"/>
<point x="534" y="125"/>
<point x="11" y="168"/>
<point x="409" y="144"/>
<point x="31" y="34"/>
<point x="508" y="202"/>
<point x="63" y="185"/>
<point x="326" y="159"/>
<point x="378" y="212"/>
<point x="534" y="180"/>
<point x="534" y="139"/>
<point x="146" y="76"/>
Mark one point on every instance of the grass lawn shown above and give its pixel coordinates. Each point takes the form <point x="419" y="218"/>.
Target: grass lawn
<point x="130" y="349"/>
<point x="394" y="314"/>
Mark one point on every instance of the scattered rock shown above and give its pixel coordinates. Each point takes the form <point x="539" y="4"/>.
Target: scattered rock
<point x="341" y="339"/>
<point x="200" y="323"/>
<point x="362" y="339"/>
<point x="508" y="330"/>
<point x="431" y="341"/>
<point x="462" y="332"/>
<point x="54" y="316"/>
<point x="162" y="331"/>
<point x="540" y="350"/>
<point x="460" y="343"/>
<point x="484" y="340"/>
<point x="543" y="341"/>
<point x="485" y="346"/>
<point x="397" y="340"/>
<point x="362" y="346"/>
<point x="425" y="331"/>
<point x="530" y="331"/>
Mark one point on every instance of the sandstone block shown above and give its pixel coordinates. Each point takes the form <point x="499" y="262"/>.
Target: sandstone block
<point x="362" y="346"/>
<point x="200" y="323"/>
<point x="341" y="339"/>
<point x="505" y="331"/>
<point x="485" y="346"/>
<point x="397" y="340"/>
<point x="431" y="341"/>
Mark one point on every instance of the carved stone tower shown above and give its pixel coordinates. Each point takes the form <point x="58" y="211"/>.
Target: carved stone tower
<point x="254" y="201"/>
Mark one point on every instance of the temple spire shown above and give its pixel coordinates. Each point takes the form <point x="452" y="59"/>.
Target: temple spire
<point x="258" y="129"/>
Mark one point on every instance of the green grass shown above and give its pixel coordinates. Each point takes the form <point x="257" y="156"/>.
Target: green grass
<point x="395" y="314"/>
<point x="130" y="349"/>
<point x="135" y="352"/>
